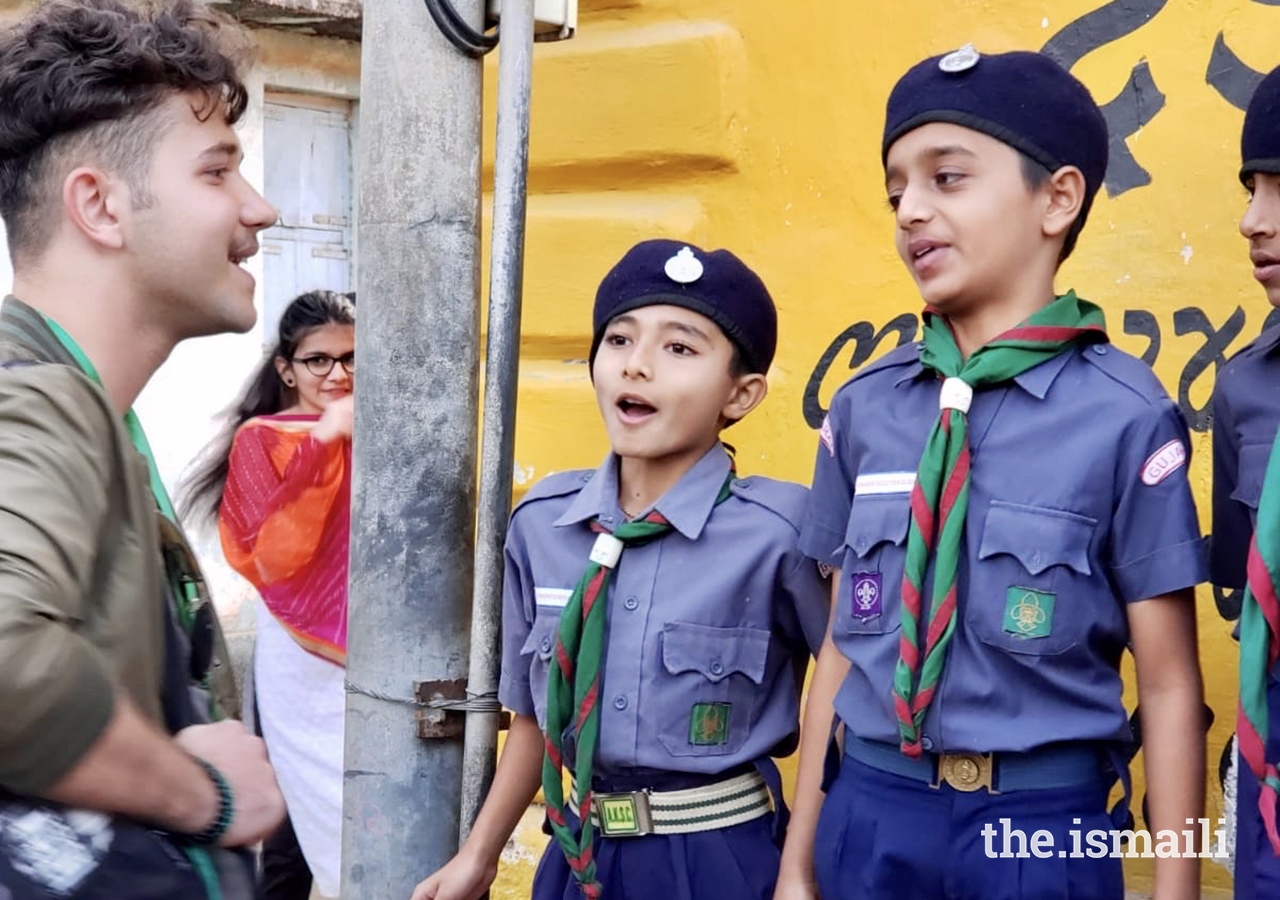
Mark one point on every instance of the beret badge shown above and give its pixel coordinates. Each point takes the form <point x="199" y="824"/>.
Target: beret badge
<point x="684" y="267"/>
<point x="961" y="60"/>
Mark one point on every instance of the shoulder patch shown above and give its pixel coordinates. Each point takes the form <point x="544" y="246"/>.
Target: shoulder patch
<point x="827" y="435"/>
<point x="785" y="499"/>
<point x="1164" y="462"/>
<point x="558" y="484"/>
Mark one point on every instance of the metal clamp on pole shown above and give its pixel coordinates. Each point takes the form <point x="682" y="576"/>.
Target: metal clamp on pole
<point x="447" y="704"/>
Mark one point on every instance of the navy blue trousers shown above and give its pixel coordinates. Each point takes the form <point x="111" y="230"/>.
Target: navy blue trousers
<point x="1257" y="867"/>
<point x="885" y="837"/>
<point x="736" y="863"/>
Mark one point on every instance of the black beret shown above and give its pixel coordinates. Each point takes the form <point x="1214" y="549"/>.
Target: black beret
<point x="716" y="284"/>
<point x="1260" y="139"/>
<point x="1024" y="99"/>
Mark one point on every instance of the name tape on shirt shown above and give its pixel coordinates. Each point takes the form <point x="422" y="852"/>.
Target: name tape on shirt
<point x="554" y="597"/>
<point x="827" y="436"/>
<point x="884" y="483"/>
<point x="1164" y="462"/>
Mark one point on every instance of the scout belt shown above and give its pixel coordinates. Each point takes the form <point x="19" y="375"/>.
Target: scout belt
<point x="719" y="805"/>
<point x="1055" y="766"/>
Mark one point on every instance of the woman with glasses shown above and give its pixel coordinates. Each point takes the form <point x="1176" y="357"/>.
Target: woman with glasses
<point x="279" y="482"/>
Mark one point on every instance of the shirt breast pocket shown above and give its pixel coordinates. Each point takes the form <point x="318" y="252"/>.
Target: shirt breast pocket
<point x="712" y="687"/>
<point x="539" y="647"/>
<point x="874" y="555"/>
<point x="1252" y="470"/>
<point x="1032" y="588"/>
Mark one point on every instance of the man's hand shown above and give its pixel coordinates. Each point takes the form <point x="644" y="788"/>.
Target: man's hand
<point x="242" y="760"/>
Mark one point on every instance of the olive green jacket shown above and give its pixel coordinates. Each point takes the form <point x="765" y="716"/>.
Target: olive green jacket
<point x="83" y="578"/>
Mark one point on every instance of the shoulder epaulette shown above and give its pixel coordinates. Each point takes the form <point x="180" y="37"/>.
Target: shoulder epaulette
<point x="785" y="499"/>
<point x="1125" y="369"/>
<point x="906" y="355"/>
<point x="557" y="484"/>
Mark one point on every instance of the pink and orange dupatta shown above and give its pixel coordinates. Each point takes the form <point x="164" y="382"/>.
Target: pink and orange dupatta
<point x="284" y="524"/>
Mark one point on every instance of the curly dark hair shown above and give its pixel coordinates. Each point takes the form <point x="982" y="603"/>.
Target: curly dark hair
<point x="82" y="81"/>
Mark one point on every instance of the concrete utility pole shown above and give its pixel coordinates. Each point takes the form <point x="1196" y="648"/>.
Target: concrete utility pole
<point x="502" y="359"/>
<point x="413" y="495"/>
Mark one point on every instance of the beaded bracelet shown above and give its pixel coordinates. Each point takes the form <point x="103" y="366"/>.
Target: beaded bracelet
<point x="226" y="808"/>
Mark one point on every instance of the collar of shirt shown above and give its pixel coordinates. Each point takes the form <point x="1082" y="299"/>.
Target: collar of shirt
<point x="23" y="325"/>
<point x="1269" y="341"/>
<point x="687" y="505"/>
<point x="1035" y="381"/>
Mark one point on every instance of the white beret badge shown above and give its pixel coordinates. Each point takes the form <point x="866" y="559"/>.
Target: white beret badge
<point x="684" y="267"/>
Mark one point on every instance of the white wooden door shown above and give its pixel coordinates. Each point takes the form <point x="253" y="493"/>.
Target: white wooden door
<point x="308" y="149"/>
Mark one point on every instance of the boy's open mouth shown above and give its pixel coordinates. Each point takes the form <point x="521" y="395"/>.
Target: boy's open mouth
<point x="633" y="407"/>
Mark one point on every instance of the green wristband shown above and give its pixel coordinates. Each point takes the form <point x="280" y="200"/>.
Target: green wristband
<point x="226" y="808"/>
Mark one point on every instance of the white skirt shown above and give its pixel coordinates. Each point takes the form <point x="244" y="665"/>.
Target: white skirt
<point x="301" y="705"/>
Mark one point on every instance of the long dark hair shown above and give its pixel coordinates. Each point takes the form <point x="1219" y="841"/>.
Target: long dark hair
<point x="200" y="496"/>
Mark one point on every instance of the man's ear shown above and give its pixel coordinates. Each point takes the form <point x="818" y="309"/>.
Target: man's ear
<point x="748" y="392"/>
<point x="93" y="202"/>
<point x="1065" y="193"/>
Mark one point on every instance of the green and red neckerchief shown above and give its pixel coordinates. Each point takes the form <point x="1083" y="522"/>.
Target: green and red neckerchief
<point x="573" y="687"/>
<point x="1259" y="647"/>
<point x="940" y="498"/>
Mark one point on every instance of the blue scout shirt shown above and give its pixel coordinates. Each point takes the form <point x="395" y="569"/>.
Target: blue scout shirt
<point x="1079" y="504"/>
<point x="1246" y="411"/>
<point x="721" y="614"/>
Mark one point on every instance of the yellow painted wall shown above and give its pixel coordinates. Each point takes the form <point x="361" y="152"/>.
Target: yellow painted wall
<point x="755" y="125"/>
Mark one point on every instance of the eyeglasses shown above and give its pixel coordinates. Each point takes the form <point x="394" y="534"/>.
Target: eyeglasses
<point x="321" y="364"/>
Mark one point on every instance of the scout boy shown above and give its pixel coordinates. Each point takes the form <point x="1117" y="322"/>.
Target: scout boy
<point x="659" y="616"/>
<point x="1007" y="503"/>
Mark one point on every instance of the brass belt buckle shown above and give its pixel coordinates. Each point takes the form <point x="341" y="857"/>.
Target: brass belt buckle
<point x="966" y="771"/>
<point x="624" y="814"/>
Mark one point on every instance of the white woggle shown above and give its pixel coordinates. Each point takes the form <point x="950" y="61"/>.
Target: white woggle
<point x="606" y="551"/>
<point x="956" y="394"/>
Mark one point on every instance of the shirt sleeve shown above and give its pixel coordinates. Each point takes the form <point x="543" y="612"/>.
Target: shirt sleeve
<point x="271" y="523"/>
<point x="827" y="511"/>
<point x="56" y="451"/>
<point x="1155" y="544"/>
<point x="808" y="600"/>
<point x="1232" y="525"/>
<point x="514" y="691"/>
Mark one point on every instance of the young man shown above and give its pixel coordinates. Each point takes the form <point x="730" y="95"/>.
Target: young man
<point x="668" y="691"/>
<point x="1246" y="411"/>
<point x="1007" y="503"/>
<point x="128" y="222"/>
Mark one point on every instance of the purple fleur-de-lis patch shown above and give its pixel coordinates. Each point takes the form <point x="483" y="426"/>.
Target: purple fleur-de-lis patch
<point x="867" y="595"/>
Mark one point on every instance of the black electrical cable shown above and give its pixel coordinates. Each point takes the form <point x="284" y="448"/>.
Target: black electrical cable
<point x="466" y="39"/>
